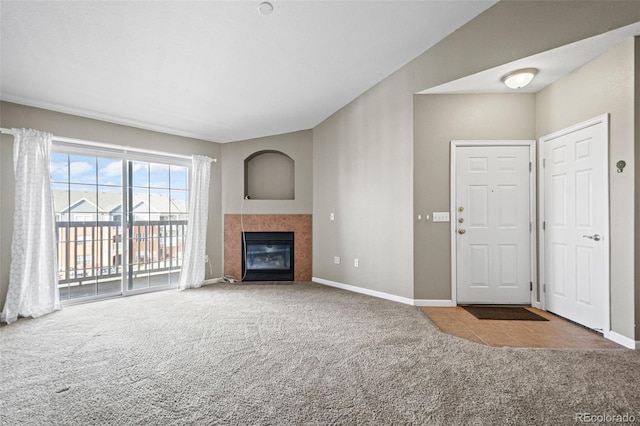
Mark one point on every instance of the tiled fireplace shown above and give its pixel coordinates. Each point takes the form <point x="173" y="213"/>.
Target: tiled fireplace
<point x="299" y="224"/>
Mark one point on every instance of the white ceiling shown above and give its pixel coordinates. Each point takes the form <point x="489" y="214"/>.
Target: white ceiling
<point x="213" y="70"/>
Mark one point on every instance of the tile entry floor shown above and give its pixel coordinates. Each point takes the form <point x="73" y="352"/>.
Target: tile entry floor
<point x="555" y="333"/>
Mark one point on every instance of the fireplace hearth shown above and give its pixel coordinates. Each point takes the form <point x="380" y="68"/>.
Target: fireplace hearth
<point x="267" y="256"/>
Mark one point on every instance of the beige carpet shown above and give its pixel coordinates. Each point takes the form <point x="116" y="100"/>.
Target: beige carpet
<point x="301" y="354"/>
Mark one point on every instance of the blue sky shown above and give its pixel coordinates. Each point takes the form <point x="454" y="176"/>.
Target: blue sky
<point x="107" y="172"/>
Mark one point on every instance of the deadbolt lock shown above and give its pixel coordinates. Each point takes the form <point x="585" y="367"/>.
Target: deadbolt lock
<point x="460" y="209"/>
<point x="461" y="219"/>
<point x="461" y="231"/>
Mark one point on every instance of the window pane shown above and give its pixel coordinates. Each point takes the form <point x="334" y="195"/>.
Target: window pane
<point x="179" y="177"/>
<point x="140" y="173"/>
<point x="159" y="204"/>
<point x="110" y="172"/>
<point x="109" y="203"/>
<point x="59" y="167"/>
<point x="179" y="205"/>
<point x="82" y="169"/>
<point x="87" y="250"/>
<point x="139" y="206"/>
<point x="82" y="207"/>
<point x="158" y="175"/>
<point x="61" y="201"/>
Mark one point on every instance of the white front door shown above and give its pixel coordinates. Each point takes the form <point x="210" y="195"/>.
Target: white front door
<point x="576" y="206"/>
<point x="492" y="224"/>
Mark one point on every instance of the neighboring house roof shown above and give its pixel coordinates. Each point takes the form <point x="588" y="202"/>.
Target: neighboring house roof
<point x="75" y="206"/>
<point x="138" y="207"/>
<point x="111" y="202"/>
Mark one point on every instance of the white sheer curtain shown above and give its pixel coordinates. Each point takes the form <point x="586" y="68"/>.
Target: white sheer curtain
<point x="193" y="265"/>
<point x="33" y="277"/>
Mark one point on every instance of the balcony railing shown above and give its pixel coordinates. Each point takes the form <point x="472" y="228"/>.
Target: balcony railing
<point x="93" y="251"/>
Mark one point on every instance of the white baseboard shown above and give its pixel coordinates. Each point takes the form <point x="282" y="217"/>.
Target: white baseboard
<point x="382" y="295"/>
<point x="436" y="303"/>
<point x="366" y="291"/>
<point x="212" y="281"/>
<point x="622" y="340"/>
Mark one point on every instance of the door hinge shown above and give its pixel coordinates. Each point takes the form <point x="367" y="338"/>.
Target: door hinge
<point x="530" y="286"/>
<point x="530" y="166"/>
<point x="544" y="288"/>
<point x="544" y="225"/>
<point x="544" y="162"/>
<point x="530" y="227"/>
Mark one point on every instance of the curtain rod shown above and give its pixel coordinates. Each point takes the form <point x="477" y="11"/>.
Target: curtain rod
<point x="110" y="146"/>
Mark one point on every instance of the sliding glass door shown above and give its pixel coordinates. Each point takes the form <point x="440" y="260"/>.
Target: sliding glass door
<point x="86" y="190"/>
<point x="121" y="224"/>
<point x="157" y="220"/>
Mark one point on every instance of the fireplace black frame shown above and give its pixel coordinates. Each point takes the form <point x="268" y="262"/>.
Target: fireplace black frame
<point x="277" y="238"/>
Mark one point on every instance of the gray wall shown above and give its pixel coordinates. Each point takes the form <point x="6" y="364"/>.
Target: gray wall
<point x="270" y="176"/>
<point x="438" y="119"/>
<point x="606" y="85"/>
<point x="363" y="154"/>
<point x="362" y="174"/>
<point x="296" y="145"/>
<point x="18" y="116"/>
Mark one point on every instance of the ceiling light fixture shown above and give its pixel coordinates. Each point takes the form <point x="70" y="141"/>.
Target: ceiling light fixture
<point x="265" y="8"/>
<point x="519" y="78"/>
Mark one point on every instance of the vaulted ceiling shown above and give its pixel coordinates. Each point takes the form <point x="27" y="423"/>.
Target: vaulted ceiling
<point x="213" y="70"/>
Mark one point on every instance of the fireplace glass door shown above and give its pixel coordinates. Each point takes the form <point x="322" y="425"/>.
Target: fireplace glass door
<point x="267" y="256"/>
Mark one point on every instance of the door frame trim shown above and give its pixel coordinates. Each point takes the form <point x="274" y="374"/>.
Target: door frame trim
<point x="532" y="208"/>
<point x="601" y="119"/>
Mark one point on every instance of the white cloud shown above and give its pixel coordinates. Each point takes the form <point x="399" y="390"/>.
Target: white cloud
<point x="80" y="168"/>
<point x="59" y="170"/>
<point x="112" y="169"/>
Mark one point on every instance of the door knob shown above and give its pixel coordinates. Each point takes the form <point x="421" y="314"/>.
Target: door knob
<point x="461" y="231"/>
<point x="594" y="237"/>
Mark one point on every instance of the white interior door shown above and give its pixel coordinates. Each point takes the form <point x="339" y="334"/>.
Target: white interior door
<point x="576" y="232"/>
<point x="493" y="225"/>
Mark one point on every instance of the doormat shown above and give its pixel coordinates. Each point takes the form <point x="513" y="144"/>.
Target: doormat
<point x="511" y="313"/>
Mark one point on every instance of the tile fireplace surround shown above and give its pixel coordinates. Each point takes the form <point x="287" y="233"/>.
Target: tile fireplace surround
<point x="299" y="224"/>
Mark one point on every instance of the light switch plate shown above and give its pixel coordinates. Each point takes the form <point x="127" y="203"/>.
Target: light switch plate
<point x="441" y="216"/>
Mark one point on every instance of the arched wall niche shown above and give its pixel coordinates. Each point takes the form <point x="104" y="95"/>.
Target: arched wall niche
<point x="269" y="175"/>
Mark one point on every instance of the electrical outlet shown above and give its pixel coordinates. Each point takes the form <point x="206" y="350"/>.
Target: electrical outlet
<point x="206" y="258"/>
<point x="332" y="216"/>
<point x="336" y="260"/>
<point x="355" y="262"/>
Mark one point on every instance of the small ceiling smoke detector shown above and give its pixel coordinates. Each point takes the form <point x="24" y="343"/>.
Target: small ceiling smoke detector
<point x="265" y="8"/>
<point x="520" y="78"/>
